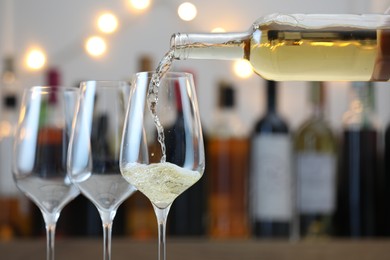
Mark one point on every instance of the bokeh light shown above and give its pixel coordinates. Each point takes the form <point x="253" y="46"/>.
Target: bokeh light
<point x="95" y="46"/>
<point x="139" y="4"/>
<point x="107" y="23"/>
<point x="35" y="59"/>
<point x="243" y="69"/>
<point x="187" y="11"/>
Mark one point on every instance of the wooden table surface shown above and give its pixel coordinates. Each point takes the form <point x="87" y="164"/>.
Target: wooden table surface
<point x="191" y="249"/>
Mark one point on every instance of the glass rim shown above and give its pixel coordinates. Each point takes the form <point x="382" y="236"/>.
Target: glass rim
<point x="103" y="81"/>
<point x="167" y="75"/>
<point x="49" y="88"/>
<point x="104" y="84"/>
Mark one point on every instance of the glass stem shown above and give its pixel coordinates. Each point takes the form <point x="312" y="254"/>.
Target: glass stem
<point x="50" y="235"/>
<point x="107" y="232"/>
<point x="107" y="219"/>
<point x="50" y="223"/>
<point x="161" y="215"/>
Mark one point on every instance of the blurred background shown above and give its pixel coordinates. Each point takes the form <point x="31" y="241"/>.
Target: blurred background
<point x="60" y="30"/>
<point x="39" y="36"/>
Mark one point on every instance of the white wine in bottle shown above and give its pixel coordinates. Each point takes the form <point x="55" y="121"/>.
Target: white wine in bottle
<point x="315" y="47"/>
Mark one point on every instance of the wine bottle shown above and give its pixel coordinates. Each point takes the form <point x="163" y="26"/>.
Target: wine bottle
<point x="310" y="47"/>
<point x="50" y="151"/>
<point x="271" y="179"/>
<point x="386" y="182"/>
<point x="357" y="198"/>
<point x="187" y="213"/>
<point x="315" y="161"/>
<point x="228" y="162"/>
<point x="140" y="217"/>
<point x="103" y="161"/>
<point x="49" y="139"/>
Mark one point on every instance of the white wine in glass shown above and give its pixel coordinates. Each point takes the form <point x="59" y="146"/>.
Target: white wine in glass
<point x="162" y="174"/>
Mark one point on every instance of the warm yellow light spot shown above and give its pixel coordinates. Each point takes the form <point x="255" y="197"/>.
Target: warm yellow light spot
<point x="107" y="23"/>
<point x="35" y="59"/>
<point x="243" y="68"/>
<point x="140" y="4"/>
<point x="218" y="30"/>
<point x="95" y="46"/>
<point x="187" y="11"/>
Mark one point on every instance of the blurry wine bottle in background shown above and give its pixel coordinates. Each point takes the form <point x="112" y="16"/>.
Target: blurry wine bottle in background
<point x="357" y="198"/>
<point x="228" y="162"/>
<point x="315" y="169"/>
<point x="187" y="213"/>
<point x="49" y="148"/>
<point x="103" y="160"/>
<point x="72" y="221"/>
<point x="271" y="179"/>
<point x="386" y="182"/>
<point x="140" y="217"/>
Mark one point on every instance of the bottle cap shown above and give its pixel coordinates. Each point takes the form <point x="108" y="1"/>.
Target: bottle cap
<point x="226" y="95"/>
<point x="9" y="101"/>
<point x="53" y="80"/>
<point x="53" y="77"/>
<point x="145" y="63"/>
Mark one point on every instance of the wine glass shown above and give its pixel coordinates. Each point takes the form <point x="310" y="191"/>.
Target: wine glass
<point x="40" y="152"/>
<point x="93" y="159"/>
<point x="162" y="151"/>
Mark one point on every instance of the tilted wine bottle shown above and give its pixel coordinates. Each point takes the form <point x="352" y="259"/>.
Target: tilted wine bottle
<point x="305" y="47"/>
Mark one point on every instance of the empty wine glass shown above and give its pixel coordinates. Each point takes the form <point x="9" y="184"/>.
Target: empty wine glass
<point x="166" y="115"/>
<point x="40" y="152"/>
<point x="93" y="160"/>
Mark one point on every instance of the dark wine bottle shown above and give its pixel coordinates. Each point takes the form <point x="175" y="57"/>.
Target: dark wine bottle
<point x="271" y="179"/>
<point x="357" y="186"/>
<point x="386" y="183"/>
<point x="186" y="216"/>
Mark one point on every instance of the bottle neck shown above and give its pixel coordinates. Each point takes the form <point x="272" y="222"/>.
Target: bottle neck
<point x="271" y="97"/>
<point x="317" y="99"/>
<point x="226" y="103"/>
<point x="8" y="76"/>
<point x="227" y="123"/>
<point x="53" y="80"/>
<point x="361" y="109"/>
<point x="365" y="97"/>
<point x="222" y="46"/>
